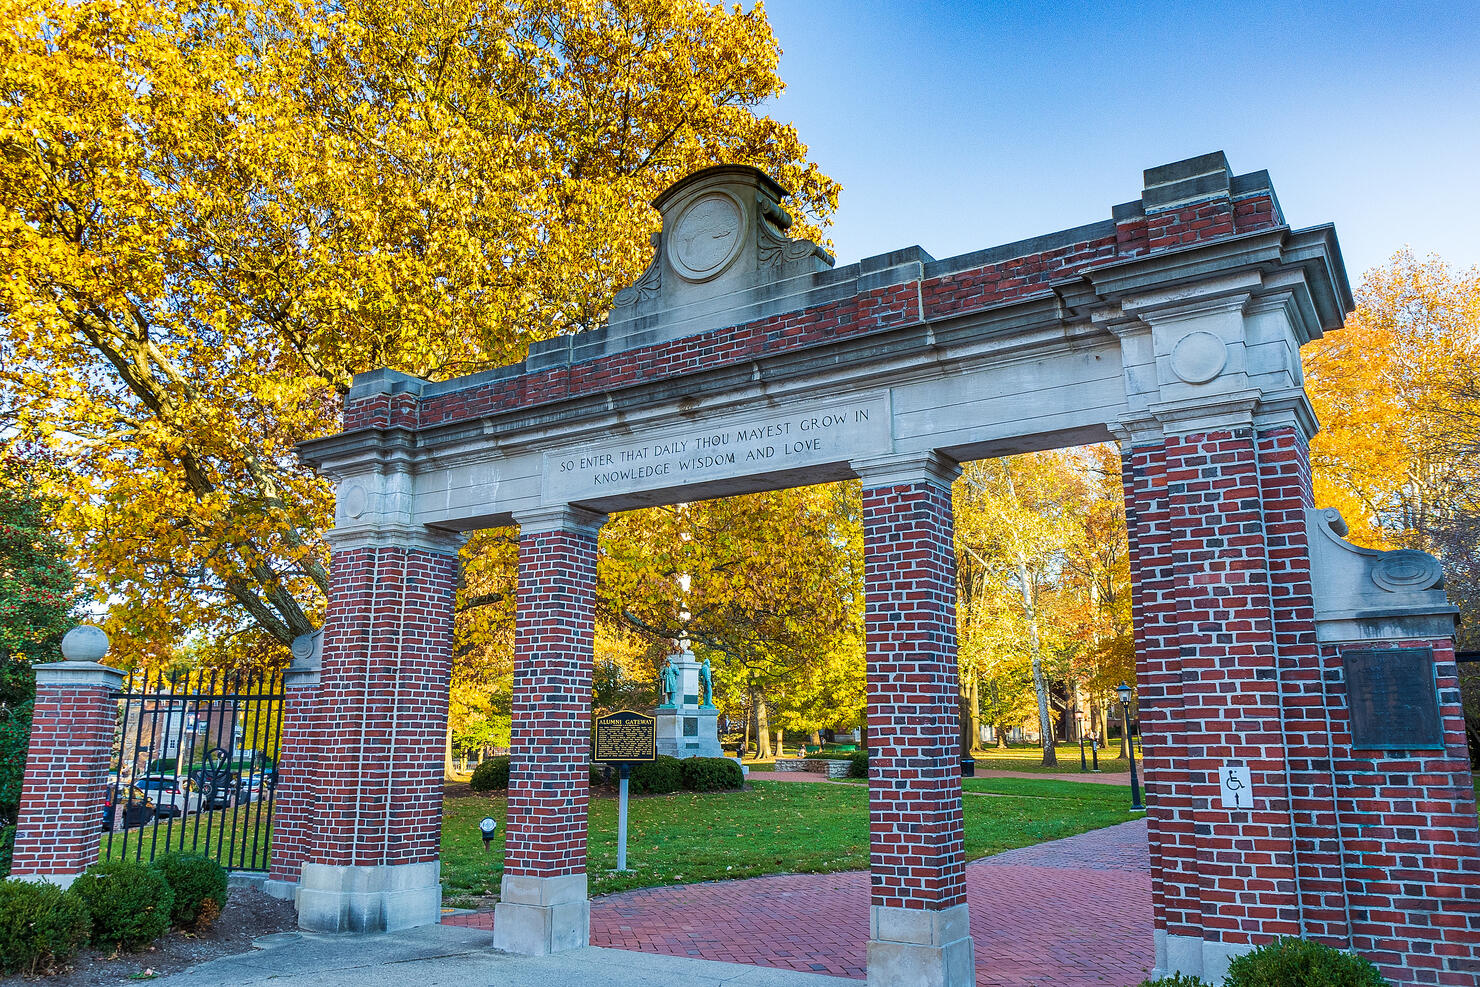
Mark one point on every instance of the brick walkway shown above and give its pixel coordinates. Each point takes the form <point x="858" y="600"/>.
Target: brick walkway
<point x="1072" y="913"/>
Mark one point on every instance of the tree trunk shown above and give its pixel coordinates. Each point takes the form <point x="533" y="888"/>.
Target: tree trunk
<point x="780" y="742"/>
<point x="817" y="739"/>
<point x="1000" y="729"/>
<point x="749" y="715"/>
<point x="762" y="729"/>
<point x="448" y="773"/>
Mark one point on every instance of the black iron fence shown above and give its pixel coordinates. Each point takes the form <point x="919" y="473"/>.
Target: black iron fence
<point x="195" y="767"/>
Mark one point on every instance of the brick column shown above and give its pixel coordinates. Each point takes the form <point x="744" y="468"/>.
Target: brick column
<point x="543" y="906"/>
<point x="295" y="797"/>
<point x="1212" y="683"/>
<point x="373" y="858"/>
<point x="60" y="822"/>
<point x="918" y="928"/>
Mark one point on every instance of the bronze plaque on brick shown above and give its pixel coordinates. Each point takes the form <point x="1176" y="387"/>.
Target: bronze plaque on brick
<point x="1393" y="698"/>
<point x="625" y="736"/>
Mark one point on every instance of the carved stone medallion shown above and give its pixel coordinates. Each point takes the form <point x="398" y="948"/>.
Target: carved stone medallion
<point x="1198" y="357"/>
<point x="706" y="237"/>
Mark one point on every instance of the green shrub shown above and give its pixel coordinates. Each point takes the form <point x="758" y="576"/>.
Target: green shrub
<point x="41" y="926"/>
<point x="129" y="902"/>
<point x="858" y="765"/>
<point x="491" y="776"/>
<point x="658" y="777"/>
<point x="1291" y="962"/>
<point x="710" y="774"/>
<point x="15" y="741"/>
<point x="7" y="849"/>
<point x="199" y="886"/>
<point x="598" y="776"/>
<point x="1176" y="980"/>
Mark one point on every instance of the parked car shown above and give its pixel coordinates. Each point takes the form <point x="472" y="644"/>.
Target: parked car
<point x="172" y="796"/>
<point x="249" y="788"/>
<point x="138" y="807"/>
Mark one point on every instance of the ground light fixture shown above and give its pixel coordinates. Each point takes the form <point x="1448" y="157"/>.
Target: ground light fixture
<point x="487" y="826"/>
<point x="1130" y="745"/>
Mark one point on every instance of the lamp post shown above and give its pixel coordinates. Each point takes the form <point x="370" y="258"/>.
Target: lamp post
<point x="1079" y="728"/>
<point x="1125" y="710"/>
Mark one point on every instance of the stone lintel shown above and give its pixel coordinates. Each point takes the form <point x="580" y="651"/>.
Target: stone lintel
<point x="78" y="675"/>
<point x="379" y="898"/>
<point x="536" y="916"/>
<point x="920" y="947"/>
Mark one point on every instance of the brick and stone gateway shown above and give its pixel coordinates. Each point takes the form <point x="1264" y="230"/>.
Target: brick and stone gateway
<point x="743" y="360"/>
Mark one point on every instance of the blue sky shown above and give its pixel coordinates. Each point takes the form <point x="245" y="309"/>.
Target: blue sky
<point x="963" y="125"/>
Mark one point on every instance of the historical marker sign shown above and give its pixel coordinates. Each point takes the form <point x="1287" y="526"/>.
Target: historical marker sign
<point x="1393" y="698"/>
<point x="625" y="736"/>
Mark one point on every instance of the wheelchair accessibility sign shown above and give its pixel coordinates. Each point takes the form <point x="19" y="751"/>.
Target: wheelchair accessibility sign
<point x="1238" y="790"/>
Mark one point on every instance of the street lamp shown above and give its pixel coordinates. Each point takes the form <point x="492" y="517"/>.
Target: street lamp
<point x="1125" y="710"/>
<point x="1079" y="728"/>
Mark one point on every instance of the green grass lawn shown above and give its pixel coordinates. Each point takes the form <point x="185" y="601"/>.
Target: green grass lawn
<point x="203" y="833"/>
<point x="1029" y="757"/>
<point x="773" y="828"/>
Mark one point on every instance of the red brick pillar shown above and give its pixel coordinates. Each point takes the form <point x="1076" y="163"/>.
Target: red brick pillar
<point x="373" y="858"/>
<point x="295" y="796"/>
<point x="1211" y="684"/>
<point x="918" y="928"/>
<point x="543" y="906"/>
<point x="61" y="810"/>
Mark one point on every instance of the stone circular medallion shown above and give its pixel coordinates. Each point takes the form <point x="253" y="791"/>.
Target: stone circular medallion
<point x="352" y="501"/>
<point x="706" y="237"/>
<point x="1407" y="568"/>
<point x="1198" y="357"/>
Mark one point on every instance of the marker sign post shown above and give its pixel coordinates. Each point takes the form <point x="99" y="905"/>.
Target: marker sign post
<point x="623" y="738"/>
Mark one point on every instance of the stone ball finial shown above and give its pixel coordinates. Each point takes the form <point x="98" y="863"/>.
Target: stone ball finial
<point x="85" y="643"/>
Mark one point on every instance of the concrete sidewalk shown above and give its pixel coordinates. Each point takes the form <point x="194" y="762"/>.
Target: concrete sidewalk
<point x="448" y="956"/>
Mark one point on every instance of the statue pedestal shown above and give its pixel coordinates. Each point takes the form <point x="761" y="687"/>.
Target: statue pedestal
<point x="686" y="729"/>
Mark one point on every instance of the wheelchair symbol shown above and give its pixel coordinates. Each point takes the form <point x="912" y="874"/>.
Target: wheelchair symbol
<point x="1235" y="787"/>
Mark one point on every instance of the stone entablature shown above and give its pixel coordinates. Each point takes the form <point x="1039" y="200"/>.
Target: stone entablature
<point x="1198" y="295"/>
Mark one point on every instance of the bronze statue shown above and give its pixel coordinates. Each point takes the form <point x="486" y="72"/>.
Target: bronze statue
<point x="706" y="685"/>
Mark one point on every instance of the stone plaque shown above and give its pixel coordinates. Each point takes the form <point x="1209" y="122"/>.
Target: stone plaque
<point x="691" y="726"/>
<point x="625" y="736"/>
<point x="1393" y="699"/>
<point x="815" y="433"/>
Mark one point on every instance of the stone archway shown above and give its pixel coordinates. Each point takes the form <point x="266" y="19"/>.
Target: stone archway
<point x="743" y="360"/>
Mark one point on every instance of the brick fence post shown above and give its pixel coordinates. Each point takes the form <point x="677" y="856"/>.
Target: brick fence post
<point x="373" y="859"/>
<point x="294" y="797"/>
<point x="60" y="823"/>
<point x="919" y="933"/>
<point x="542" y="905"/>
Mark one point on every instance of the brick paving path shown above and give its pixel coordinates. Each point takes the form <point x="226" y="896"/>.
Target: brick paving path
<point x="1072" y="913"/>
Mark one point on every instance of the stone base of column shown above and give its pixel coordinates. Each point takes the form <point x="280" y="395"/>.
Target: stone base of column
<point x="63" y="881"/>
<point x="1193" y="956"/>
<point x="540" y="915"/>
<point x="286" y="890"/>
<point x="918" y="947"/>
<point x="334" y="898"/>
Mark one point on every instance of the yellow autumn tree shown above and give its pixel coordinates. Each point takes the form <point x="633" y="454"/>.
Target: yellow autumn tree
<point x="215" y="214"/>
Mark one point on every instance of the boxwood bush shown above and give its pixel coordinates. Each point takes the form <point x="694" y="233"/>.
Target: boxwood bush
<point x="41" y="926"/>
<point x="491" y="776"/>
<point x="199" y="886"/>
<point x="130" y="903"/>
<point x="710" y="774"/>
<point x="657" y="777"/>
<point x="1291" y="962"/>
<point x="7" y="849"/>
<point x="858" y="765"/>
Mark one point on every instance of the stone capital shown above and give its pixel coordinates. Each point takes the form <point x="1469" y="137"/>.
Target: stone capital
<point x="907" y="468"/>
<point x="79" y="675"/>
<point x="560" y="517"/>
<point x="412" y="537"/>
